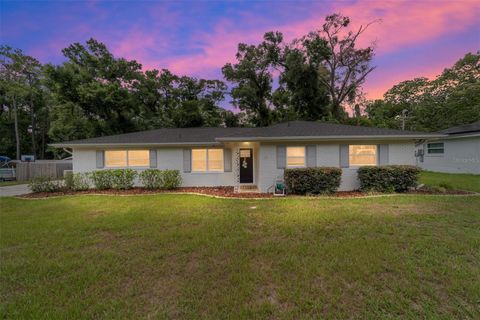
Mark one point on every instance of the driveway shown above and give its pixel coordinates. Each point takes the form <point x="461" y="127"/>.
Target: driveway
<point x="16" y="190"/>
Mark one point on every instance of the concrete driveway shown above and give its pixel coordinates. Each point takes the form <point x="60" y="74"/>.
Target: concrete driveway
<point x="16" y="190"/>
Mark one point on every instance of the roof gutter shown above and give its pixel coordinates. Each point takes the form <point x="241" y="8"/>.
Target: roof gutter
<point x="121" y="144"/>
<point x="328" y="138"/>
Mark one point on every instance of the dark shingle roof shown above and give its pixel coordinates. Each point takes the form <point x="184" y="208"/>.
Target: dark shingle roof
<point x="211" y="135"/>
<point x="320" y="129"/>
<point x="166" y="135"/>
<point x="466" y="128"/>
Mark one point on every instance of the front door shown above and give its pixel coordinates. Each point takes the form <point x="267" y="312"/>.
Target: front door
<point x="246" y="165"/>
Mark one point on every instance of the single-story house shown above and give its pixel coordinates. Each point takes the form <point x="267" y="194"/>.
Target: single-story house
<point x="249" y="158"/>
<point x="458" y="151"/>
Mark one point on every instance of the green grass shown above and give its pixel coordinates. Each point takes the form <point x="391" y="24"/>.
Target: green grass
<point x="192" y="257"/>
<point x="12" y="183"/>
<point x="470" y="182"/>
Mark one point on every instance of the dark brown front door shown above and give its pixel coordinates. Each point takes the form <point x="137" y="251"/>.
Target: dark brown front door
<point x="246" y="165"/>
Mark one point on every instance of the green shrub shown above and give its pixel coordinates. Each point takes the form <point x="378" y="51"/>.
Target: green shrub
<point x="68" y="180"/>
<point x="171" y="179"/>
<point x="388" y="178"/>
<point x="123" y="179"/>
<point x="45" y="184"/>
<point x="161" y="179"/>
<point x="312" y="180"/>
<point x="76" y="181"/>
<point x="151" y="178"/>
<point x="102" y="179"/>
<point x="81" y="182"/>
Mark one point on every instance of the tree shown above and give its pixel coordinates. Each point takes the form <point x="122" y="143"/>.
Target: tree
<point x="345" y="67"/>
<point x="20" y="82"/>
<point x="252" y="79"/>
<point x="453" y="98"/>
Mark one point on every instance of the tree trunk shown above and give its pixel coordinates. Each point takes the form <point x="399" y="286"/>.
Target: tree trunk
<point x="337" y="111"/>
<point x="17" y="135"/>
<point x="32" y="115"/>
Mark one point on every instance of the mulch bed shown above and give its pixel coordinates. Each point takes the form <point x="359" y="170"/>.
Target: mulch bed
<point x="227" y="192"/>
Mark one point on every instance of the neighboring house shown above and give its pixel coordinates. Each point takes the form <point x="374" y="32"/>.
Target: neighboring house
<point x="250" y="157"/>
<point x="457" y="152"/>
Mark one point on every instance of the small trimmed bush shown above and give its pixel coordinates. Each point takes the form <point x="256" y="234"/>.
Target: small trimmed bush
<point x="68" y="180"/>
<point x="45" y="184"/>
<point x="123" y="179"/>
<point x="388" y="178"/>
<point x="151" y="178"/>
<point x="160" y="179"/>
<point x="321" y="180"/>
<point x="77" y="181"/>
<point x="102" y="179"/>
<point x="171" y="179"/>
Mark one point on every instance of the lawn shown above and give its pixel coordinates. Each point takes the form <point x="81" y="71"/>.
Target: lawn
<point x="191" y="257"/>
<point x="460" y="181"/>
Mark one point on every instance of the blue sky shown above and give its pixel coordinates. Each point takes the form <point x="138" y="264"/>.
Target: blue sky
<point x="415" y="38"/>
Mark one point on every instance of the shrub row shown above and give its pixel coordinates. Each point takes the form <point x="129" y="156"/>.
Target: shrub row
<point x="327" y="180"/>
<point x="388" y="178"/>
<point x="312" y="180"/>
<point x="161" y="179"/>
<point x="120" y="179"/>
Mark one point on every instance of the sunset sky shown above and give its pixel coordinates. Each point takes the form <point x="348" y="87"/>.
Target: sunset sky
<point x="414" y="38"/>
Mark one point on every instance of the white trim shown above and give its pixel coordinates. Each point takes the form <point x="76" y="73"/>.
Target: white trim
<point x="326" y="138"/>
<point x="139" y="145"/>
<point x="244" y="139"/>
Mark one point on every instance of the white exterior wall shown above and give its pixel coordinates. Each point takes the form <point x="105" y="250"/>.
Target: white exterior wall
<point x="172" y="158"/>
<point x="265" y="164"/>
<point x="84" y="160"/>
<point x="328" y="155"/>
<point x="461" y="155"/>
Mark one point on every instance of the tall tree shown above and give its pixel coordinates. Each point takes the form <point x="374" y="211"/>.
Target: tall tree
<point x="20" y="81"/>
<point x="97" y="86"/>
<point x="334" y="49"/>
<point x="252" y="80"/>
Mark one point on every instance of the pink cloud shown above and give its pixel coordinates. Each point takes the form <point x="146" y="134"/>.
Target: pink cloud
<point x="404" y="23"/>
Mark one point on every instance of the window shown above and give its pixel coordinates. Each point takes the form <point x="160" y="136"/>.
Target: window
<point x="363" y="155"/>
<point x="207" y="160"/>
<point x="215" y="160"/>
<point x="295" y="157"/>
<point x="127" y="158"/>
<point x="435" y="148"/>
<point x="115" y="158"/>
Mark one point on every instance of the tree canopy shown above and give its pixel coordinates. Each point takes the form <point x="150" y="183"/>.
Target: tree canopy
<point x="452" y="98"/>
<point x="315" y="77"/>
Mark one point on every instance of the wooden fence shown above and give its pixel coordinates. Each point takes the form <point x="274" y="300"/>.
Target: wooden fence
<point x="26" y="171"/>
